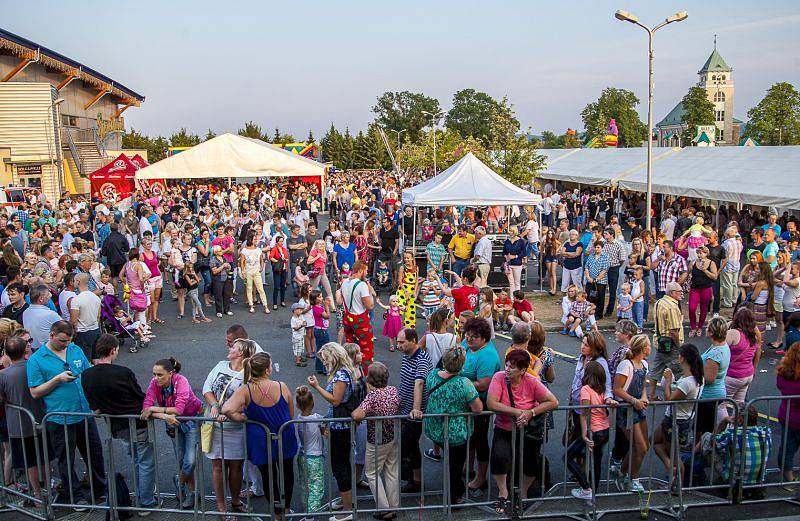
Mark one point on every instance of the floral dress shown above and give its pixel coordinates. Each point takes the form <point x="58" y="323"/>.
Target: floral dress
<point x="407" y="298"/>
<point x="362" y="252"/>
<point x="451" y="398"/>
<point x="546" y="356"/>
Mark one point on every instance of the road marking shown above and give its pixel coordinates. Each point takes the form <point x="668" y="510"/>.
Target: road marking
<point x="557" y="353"/>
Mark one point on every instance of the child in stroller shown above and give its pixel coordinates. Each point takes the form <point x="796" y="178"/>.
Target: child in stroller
<point x="117" y="322"/>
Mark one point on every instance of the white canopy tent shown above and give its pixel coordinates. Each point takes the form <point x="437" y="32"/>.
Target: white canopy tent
<point x="232" y="156"/>
<point x="468" y="182"/>
<point x="764" y="176"/>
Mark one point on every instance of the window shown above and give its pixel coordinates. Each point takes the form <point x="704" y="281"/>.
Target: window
<point x="719" y="97"/>
<point x="720" y="135"/>
<point x="69" y="121"/>
<point x="720" y="115"/>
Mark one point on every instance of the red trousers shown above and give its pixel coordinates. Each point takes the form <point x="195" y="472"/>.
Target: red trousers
<point x="358" y="329"/>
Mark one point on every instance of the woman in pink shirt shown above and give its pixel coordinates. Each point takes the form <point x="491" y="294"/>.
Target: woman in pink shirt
<point x="517" y="398"/>
<point x="168" y="397"/>
<point x="744" y="340"/>
<point x="788" y="383"/>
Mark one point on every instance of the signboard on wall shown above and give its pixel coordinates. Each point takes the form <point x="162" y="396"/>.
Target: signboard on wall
<point x="29" y="169"/>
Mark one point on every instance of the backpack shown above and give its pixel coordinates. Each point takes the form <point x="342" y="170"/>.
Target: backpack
<point x="357" y="394"/>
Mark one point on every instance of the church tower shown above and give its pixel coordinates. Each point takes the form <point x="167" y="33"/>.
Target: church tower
<point x="716" y="78"/>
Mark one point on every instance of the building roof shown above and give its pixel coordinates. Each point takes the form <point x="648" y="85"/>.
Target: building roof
<point x="715" y="63"/>
<point x="20" y="46"/>
<point x="675" y="116"/>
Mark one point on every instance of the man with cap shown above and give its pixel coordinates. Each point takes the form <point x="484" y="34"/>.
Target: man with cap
<point x="631" y="230"/>
<point x="667" y="336"/>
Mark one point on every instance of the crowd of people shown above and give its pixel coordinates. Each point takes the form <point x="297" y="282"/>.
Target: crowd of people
<point x="82" y="275"/>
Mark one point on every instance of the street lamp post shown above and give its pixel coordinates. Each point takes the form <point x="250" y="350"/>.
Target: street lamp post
<point x="434" y="118"/>
<point x="625" y="16"/>
<point x="780" y="135"/>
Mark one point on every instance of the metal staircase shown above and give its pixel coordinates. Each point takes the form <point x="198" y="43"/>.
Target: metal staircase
<point x="85" y="148"/>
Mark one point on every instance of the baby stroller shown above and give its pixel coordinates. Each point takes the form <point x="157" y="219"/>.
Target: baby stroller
<point x="382" y="277"/>
<point x="111" y="325"/>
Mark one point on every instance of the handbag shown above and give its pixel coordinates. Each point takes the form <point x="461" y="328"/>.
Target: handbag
<point x="533" y="432"/>
<point x="207" y="428"/>
<point x="138" y="300"/>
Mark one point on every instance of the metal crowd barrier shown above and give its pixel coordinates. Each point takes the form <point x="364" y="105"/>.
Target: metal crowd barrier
<point x="697" y="482"/>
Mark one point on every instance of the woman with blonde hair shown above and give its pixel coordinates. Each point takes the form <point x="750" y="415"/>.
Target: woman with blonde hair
<point x="339" y="393"/>
<point x="762" y="295"/>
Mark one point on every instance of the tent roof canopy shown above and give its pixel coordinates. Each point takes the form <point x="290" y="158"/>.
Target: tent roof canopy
<point x="229" y="155"/>
<point x="119" y="168"/>
<point x="764" y="176"/>
<point x="467" y="182"/>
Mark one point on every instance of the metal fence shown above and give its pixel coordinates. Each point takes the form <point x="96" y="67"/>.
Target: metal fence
<point x="685" y="471"/>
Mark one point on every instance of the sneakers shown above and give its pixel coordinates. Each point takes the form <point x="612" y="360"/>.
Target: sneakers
<point x="219" y="315"/>
<point x="582" y="493"/>
<point x="431" y="455"/>
<point x="229" y="313"/>
<point x="82" y="505"/>
<point x="636" y="486"/>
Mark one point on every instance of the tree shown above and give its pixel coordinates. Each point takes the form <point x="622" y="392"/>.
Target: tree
<point x="776" y="118"/>
<point x="348" y="145"/>
<point x="550" y="140"/>
<point x="253" y="131"/>
<point x="619" y="104"/>
<point x="471" y="114"/>
<point x="404" y="111"/>
<point x="183" y="138"/>
<point x="513" y="155"/>
<point x="156" y="148"/>
<point x="210" y="134"/>
<point x="697" y="110"/>
<point x="310" y="139"/>
<point x="331" y="146"/>
<point x="281" y="139"/>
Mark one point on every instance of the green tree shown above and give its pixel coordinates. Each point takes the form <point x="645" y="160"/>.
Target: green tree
<point x="776" y="118"/>
<point x="514" y="155"/>
<point x="183" y="138"/>
<point x="348" y="146"/>
<point x="697" y="110"/>
<point x="550" y="140"/>
<point x="619" y="104"/>
<point x="210" y="134"/>
<point x="331" y="146"/>
<point x="280" y="138"/>
<point x="310" y="139"/>
<point x="253" y="131"/>
<point x="404" y="111"/>
<point x="471" y="114"/>
<point x="156" y="148"/>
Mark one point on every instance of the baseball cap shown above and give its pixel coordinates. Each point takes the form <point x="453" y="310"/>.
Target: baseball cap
<point x="297" y="305"/>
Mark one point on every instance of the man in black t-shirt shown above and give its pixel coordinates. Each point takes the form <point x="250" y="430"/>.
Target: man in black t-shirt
<point x="113" y="389"/>
<point x="82" y="233"/>
<point x="390" y="242"/>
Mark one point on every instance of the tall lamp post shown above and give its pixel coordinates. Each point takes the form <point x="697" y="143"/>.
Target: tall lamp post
<point x="434" y="119"/>
<point x="398" y="132"/>
<point x="625" y="16"/>
<point x="780" y="135"/>
<point x="56" y="124"/>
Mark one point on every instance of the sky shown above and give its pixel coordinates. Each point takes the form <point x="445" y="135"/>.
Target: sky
<point x="301" y="66"/>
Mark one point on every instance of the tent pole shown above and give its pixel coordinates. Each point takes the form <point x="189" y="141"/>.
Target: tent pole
<point x="414" y="234"/>
<point x="229" y="183"/>
<point x="716" y="217"/>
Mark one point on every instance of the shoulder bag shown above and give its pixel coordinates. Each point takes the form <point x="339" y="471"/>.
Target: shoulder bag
<point x="533" y="432"/>
<point x="207" y="428"/>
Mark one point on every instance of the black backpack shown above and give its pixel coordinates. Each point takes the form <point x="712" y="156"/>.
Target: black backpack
<point x="123" y="495"/>
<point x="359" y="391"/>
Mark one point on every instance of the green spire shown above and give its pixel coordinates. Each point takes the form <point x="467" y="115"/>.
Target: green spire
<point x="715" y="63"/>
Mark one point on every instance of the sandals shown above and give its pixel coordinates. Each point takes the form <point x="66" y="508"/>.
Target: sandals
<point x="501" y="506"/>
<point x="157" y="321"/>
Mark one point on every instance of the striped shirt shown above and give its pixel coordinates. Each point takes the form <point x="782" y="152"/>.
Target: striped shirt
<point x="668" y="316"/>
<point x="597" y="264"/>
<point x="670" y="270"/>
<point x="413" y="367"/>
<point x="615" y="253"/>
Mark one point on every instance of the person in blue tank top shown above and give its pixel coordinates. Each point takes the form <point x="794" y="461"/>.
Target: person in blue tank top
<point x="268" y="405"/>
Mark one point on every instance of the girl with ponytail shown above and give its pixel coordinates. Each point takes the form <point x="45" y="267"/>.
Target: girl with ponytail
<point x="267" y="405"/>
<point x="687" y="388"/>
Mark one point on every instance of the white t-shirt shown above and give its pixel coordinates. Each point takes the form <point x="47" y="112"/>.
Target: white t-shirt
<point x="144" y="226"/>
<point x="436" y="344"/>
<point x="626" y="367"/>
<point x="298" y="325"/>
<point x="354" y="290"/>
<point x="88" y="306"/>
<point x="532" y="231"/>
<point x="63" y="302"/>
<point x="691" y="391"/>
<point x="668" y="228"/>
<point x="309" y="435"/>
<point x="252" y="259"/>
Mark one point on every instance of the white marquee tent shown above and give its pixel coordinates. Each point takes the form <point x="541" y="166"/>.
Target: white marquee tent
<point x="764" y="176"/>
<point x="468" y="182"/>
<point x="232" y="156"/>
